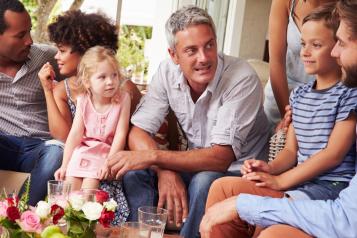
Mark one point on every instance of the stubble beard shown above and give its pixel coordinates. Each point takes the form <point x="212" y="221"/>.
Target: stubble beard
<point x="350" y="76"/>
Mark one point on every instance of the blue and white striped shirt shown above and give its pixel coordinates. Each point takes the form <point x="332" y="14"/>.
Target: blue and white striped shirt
<point x="315" y="113"/>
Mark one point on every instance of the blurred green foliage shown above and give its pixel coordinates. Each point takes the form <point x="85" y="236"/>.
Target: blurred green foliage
<point x="131" y="41"/>
<point x="131" y="48"/>
<point x="31" y="6"/>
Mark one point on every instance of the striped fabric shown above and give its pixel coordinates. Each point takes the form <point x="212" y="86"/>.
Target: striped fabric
<point x="22" y="101"/>
<point x="314" y="115"/>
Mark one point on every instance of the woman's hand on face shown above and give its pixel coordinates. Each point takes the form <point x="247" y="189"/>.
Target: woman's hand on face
<point x="47" y="76"/>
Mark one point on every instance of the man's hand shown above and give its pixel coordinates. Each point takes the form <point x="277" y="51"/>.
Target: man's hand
<point x="172" y="192"/>
<point x="219" y="213"/>
<point x="123" y="161"/>
<point x="253" y="165"/>
<point x="265" y="180"/>
<point x="285" y="122"/>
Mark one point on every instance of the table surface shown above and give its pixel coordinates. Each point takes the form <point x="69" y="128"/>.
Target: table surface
<point x="114" y="231"/>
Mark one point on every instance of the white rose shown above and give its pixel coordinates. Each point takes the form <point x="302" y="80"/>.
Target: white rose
<point x="92" y="210"/>
<point x="76" y="200"/>
<point x="111" y="205"/>
<point x="43" y="209"/>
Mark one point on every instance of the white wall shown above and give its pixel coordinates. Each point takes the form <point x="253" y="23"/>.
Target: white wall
<point x="247" y="28"/>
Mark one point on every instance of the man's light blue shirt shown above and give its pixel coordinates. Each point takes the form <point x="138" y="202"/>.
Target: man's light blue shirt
<point x="229" y="112"/>
<point x="318" y="218"/>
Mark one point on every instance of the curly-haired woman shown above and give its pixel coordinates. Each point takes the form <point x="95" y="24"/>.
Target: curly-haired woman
<point x="74" y="32"/>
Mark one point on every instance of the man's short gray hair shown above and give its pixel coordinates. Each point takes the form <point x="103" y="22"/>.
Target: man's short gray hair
<point x="183" y="18"/>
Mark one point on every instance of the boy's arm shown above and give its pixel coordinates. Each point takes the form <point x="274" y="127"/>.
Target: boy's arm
<point x="122" y="129"/>
<point x="340" y="141"/>
<point x="286" y="158"/>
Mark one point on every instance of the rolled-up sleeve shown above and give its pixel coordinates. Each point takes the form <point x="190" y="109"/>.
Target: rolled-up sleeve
<point x="238" y="114"/>
<point x="318" y="218"/>
<point x="153" y="107"/>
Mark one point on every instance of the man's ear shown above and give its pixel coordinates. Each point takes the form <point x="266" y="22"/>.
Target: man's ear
<point x="173" y="55"/>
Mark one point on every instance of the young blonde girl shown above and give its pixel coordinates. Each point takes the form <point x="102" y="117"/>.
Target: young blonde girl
<point x="101" y="122"/>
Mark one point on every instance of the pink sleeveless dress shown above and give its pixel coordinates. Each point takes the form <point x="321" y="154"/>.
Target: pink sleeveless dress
<point x="88" y="158"/>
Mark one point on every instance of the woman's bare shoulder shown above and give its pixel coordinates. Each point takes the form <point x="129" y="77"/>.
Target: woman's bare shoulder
<point x="282" y="7"/>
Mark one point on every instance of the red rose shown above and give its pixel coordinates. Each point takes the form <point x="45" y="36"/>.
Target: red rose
<point x="101" y="196"/>
<point x="106" y="217"/>
<point x="13" y="201"/>
<point x="13" y="213"/>
<point x="57" y="213"/>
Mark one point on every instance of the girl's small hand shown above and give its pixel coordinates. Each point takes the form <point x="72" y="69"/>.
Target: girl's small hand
<point x="47" y="76"/>
<point x="265" y="180"/>
<point x="104" y="172"/>
<point x="253" y="165"/>
<point x="60" y="173"/>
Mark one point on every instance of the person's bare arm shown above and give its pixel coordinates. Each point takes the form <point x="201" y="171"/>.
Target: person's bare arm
<point x="60" y="120"/>
<point x="214" y="158"/>
<point x="278" y="21"/>
<point x="135" y="94"/>
<point x="74" y="138"/>
<point x="122" y="127"/>
<point x="340" y="141"/>
<point x="172" y="191"/>
<point x="59" y="117"/>
<point x="287" y="157"/>
<point x="121" y="133"/>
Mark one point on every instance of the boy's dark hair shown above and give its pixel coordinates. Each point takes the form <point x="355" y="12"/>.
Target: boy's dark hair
<point x="11" y="5"/>
<point x="82" y="31"/>
<point x="346" y="10"/>
<point x="325" y="13"/>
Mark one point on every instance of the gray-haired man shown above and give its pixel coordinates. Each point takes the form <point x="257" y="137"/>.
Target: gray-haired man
<point x="217" y="100"/>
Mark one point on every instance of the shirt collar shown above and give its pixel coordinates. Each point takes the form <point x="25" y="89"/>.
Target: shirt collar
<point x="30" y="56"/>
<point x="217" y="76"/>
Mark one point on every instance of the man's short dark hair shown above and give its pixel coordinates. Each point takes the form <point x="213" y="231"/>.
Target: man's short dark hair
<point x="346" y="10"/>
<point x="11" y="5"/>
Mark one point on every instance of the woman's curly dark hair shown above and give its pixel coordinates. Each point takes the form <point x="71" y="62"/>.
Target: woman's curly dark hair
<point x="82" y="31"/>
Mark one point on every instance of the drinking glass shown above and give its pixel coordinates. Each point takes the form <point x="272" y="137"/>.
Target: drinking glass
<point x="88" y="194"/>
<point x="58" y="192"/>
<point x="134" y="230"/>
<point x="155" y="218"/>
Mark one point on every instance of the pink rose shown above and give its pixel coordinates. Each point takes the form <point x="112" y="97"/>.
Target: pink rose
<point x="3" y="209"/>
<point x="30" y="222"/>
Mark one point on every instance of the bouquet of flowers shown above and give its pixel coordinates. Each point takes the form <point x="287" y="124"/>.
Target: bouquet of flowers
<point x="85" y="209"/>
<point x="81" y="213"/>
<point x="18" y="220"/>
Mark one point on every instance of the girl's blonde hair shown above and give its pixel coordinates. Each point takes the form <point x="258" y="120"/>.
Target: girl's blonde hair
<point x="88" y="66"/>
